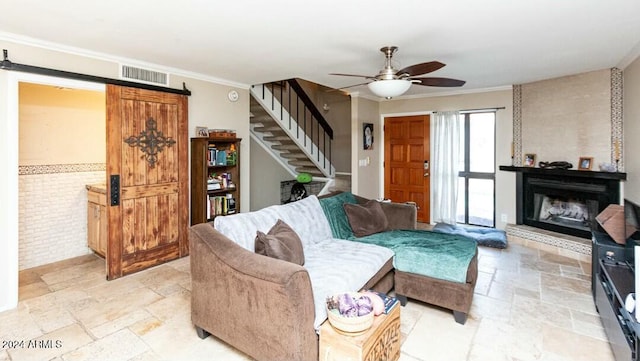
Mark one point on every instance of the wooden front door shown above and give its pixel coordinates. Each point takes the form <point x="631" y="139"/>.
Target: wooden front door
<point x="407" y="163"/>
<point x="147" y="179"/>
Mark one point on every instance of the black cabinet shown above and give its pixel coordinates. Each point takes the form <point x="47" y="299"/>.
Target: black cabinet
<point x="613" y="283"/>
<point x="604" y="248"/>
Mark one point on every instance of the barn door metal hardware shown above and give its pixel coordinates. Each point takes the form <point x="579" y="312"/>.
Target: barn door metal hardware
<point x="151" y="142"/>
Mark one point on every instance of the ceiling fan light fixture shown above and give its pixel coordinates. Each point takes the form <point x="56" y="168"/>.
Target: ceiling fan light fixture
<point x="389" y="88"/>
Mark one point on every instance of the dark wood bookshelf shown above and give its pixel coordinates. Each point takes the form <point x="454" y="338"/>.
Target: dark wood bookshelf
<point x="200" y="171"/>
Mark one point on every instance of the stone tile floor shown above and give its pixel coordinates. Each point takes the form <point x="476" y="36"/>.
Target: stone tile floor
<point x="529" y="305"/>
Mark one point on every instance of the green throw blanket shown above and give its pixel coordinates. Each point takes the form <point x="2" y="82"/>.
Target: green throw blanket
<point x="431" y="254"/>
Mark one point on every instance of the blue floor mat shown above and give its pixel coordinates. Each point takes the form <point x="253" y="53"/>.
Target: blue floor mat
<point x="489" y="237"/>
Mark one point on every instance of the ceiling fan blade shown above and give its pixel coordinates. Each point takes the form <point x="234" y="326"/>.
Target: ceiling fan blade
<point x="422" y="68"/>
<point x="351" y="86"/>
<point x="359" y="76"/>
<point x="346" y="87"/>
<point x="443" y="82"/>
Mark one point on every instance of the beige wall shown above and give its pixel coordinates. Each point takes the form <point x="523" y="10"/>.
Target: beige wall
<point x="267" y="174"/>
<point x="366" y="180"/>
<point x="61" y="126"/>
<point x="505" y="181"/>
<point x="566" y="118"/>
<point x="631" y="123"/>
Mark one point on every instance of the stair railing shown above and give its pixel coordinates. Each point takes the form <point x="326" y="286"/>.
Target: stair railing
<point x="289" y="100"/>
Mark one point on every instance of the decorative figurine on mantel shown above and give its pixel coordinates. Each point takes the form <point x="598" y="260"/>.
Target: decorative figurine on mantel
<point x="556" y="165"/>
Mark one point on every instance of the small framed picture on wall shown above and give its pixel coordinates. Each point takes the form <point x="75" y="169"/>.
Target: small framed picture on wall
<point x="529" y="160"/>
<point x="367" y="136"/>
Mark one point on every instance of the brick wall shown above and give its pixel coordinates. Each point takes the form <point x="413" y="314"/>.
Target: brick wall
<point x="53" y="211"/>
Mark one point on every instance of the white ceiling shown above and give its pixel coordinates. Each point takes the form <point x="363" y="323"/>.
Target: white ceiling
<point x="489" y="43"/>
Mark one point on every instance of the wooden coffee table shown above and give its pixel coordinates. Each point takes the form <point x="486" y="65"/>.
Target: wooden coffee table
<point x="379" y="343"/>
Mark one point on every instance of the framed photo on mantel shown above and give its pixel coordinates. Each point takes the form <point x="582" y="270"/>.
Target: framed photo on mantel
<point x="529" y="160"/>
<point x="585" y="163"/>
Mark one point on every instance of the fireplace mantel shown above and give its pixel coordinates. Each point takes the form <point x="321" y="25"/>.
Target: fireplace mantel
<point x="566" y="172"/>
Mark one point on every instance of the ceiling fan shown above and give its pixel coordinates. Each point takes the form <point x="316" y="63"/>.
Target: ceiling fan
<point x="391" y="82"/>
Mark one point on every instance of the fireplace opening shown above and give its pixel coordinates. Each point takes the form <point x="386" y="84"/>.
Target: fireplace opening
<point x="562" y="211"/>
<point x="566" y="205"/>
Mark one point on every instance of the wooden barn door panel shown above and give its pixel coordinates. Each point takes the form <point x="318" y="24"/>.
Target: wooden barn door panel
<point x="147" y="173"/>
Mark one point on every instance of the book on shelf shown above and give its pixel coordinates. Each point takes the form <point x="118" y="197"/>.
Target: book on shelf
<point x="218" y="182"/>
<point x="221" y="205"/>
<point x="211" y="156"/>
<point x="221" y="157"/>
<point x="231" y="204"/>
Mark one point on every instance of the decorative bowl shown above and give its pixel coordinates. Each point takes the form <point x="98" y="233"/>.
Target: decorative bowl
<point x="350" y="325"/>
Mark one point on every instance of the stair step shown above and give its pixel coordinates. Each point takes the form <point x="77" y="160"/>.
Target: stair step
<point x="276" y="138"/>
<point x="272" y="130"/>
<point x="286" y="141"/>
<point x="297" y="155"/>
<point x="287" y="146"/>
<point x="266" y="127"/>
<point x="301" y="162"/>
<point x="313" y="171"/>
<point x="264" y="119"/>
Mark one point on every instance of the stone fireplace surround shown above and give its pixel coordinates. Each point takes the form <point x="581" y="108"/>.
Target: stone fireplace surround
<point x="589" y="106"/>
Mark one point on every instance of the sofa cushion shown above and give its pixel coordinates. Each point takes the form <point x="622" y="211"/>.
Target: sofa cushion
<point x="490" y="237"/>
<point x="366" y="219"/>
<point x="432" y="254"/>
<point x="338" y="266"/>
<point x="334" y="212"/>
<point x="281" y="242"/>
<point x="305" y="217"/>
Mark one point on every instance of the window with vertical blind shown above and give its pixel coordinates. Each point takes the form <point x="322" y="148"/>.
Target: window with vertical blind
<point x="476" y="191"/>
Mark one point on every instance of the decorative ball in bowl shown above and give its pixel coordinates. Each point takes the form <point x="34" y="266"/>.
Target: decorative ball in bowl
<point x="350" y="312"/>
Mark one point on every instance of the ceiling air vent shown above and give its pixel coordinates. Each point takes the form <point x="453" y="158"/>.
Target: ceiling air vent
<point x="141" y="75"/>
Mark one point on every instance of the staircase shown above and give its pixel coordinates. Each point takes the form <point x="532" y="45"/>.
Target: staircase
<point x="286" y="123"/>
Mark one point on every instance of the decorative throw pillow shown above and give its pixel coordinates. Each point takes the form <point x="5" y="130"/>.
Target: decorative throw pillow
<point x="366" y="219"/>
<point x="280" y="242"/>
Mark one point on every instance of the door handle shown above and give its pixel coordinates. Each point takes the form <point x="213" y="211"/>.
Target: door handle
<point x="115" y="189"/>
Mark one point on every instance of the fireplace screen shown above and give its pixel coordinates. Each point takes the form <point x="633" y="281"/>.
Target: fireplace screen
<point x="564" y="211"/>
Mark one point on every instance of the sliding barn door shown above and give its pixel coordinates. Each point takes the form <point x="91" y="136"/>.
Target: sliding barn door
<point x="147" y="179"/>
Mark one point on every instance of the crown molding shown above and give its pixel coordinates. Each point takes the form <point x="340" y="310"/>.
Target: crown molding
<point x="633" y="54"/>
<point x="47" y="45"/>
<point x="456" y="92"/>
